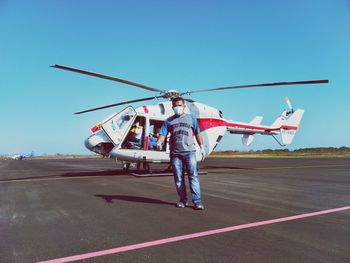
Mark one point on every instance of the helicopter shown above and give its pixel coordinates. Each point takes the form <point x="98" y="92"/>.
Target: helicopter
<point x="21" y="156"/>
<point x="116" y="136"/>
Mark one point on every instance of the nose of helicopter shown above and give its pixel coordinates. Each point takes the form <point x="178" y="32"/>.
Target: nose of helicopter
<point x="91" y="142"/>
<point x="98" y="143"/>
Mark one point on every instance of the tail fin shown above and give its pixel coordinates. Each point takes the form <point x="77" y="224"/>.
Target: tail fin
<point x="247" y="139"/>
<point x="290" y="126"/>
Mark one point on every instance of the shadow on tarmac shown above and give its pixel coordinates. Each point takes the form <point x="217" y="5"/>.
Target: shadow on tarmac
<point x="96" y="173"/>
<point x="129" y="198"/>
<point x="225" y="167"/>
<point x="71" y="175"/>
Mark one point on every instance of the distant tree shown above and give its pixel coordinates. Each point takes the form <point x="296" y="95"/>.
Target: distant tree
<point x="267" y="151"/>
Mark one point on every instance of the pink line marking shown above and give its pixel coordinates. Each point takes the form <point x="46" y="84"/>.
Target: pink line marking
<point x="190" y="236"/>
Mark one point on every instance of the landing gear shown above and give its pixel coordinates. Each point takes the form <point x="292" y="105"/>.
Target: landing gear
<point x="145" y="167"/>
<point x="126" y="166"/>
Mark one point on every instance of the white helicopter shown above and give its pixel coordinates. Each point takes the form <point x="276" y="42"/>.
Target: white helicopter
<point x="21" y="156"/>
<point x="113" y="138"/>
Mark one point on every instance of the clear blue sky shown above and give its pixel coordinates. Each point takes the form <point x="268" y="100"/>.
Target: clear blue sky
<point x="183" y="45"/>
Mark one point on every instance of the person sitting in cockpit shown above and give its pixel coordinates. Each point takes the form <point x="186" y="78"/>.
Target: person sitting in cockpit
<point x="135" y="136"/>
<point x="153" y="138"/>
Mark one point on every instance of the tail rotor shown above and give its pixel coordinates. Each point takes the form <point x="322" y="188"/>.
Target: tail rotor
<point x="291" y="110"/>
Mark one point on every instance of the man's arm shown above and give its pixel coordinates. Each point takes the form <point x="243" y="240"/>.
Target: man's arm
<point x="162" y="134"/>
<point x="200" y="142"/>
<point x="160" y="142"/>
<point x="161" y="139"/>
<point x="197" y="131"/>
<point x="199" y="139"/>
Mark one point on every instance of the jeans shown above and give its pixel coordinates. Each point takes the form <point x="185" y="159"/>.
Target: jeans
<point x="187" y="162"/>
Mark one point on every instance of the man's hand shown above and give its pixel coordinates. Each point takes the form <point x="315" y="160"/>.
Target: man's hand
<point x="159" y="146"/>
<point x="202" y="152"/>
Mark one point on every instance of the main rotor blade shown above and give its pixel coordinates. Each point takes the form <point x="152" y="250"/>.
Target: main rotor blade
<point x="117" y="104"/>
<point x="261" y="85"/>
<point x="106" y="77"/>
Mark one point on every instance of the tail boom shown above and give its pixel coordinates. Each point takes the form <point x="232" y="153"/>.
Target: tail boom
<point x="287" y="127"/>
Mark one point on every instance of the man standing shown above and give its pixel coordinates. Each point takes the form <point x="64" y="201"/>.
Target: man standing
<point x="181" y="127"/>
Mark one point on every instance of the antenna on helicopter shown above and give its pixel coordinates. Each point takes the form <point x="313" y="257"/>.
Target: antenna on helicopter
<point x="170" y="94"/>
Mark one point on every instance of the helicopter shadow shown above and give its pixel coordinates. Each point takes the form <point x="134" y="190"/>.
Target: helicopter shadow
<point x="129" y="198"/>
<point x="115" y="172"/>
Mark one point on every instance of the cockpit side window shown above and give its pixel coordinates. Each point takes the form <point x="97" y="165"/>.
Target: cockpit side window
<point x="162" y="108"/>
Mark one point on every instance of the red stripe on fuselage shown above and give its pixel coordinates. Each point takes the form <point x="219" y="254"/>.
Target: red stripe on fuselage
<point x="286" y="127"/>
<point x="207" y="123"/>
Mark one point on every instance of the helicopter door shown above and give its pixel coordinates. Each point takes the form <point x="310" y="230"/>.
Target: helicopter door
<point x="118" y="125"/>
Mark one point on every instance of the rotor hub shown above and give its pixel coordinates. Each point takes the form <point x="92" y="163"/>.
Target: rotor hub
<point x="171" y="94"/>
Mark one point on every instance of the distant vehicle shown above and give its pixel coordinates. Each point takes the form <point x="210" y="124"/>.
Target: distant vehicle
<point x="21" y="156"/>
<point x="115" y="136"/>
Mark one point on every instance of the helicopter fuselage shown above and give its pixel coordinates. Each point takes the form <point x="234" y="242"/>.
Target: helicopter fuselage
<point x="113" y="136"/>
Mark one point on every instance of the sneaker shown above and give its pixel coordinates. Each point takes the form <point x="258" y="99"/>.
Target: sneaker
<point x="199" y="206"/>
<point x="181" y="204"/>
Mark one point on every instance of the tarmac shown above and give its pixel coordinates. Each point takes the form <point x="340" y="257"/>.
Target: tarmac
<point x="256" y="210"/>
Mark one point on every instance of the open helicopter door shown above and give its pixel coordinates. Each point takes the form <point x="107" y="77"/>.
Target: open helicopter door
<point x="118" y="125"/>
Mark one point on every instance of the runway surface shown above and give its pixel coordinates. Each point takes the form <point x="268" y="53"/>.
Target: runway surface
<point x="256" y="210"/>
